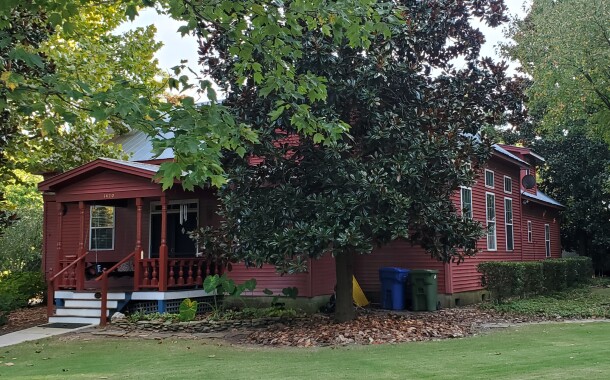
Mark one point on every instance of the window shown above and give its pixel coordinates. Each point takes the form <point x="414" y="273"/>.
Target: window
<point x="508" y="184"/>
<point x="547" y="240"/>
<point x="490" y="205"/>
<point x="529" y="231"/>
<point x="102" y="228"/>
<point x="508" y="224"/>
<point x="466" y="202"/>
<point x="489" y="179"/>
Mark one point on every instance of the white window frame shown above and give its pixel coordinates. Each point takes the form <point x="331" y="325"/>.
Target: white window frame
<point x="494" y="221"/>
<point x="493" y="179"/>
<point x="510" y="190"/>
<point x="507" y="223"/>
<point x="462" y="188"/>
<point x="547" y="240"/>
<point x="91" y="228"/>
<point x="530" y="232"/>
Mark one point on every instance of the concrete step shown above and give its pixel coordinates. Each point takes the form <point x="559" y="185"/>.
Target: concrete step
<point x="95" y="313"/>
<point x="70" y="319"/>
<point x="89" y="304"/>
<point x="67" y="294"/>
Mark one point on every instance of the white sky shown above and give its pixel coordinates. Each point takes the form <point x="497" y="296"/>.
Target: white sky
<point x="176" y="48"/>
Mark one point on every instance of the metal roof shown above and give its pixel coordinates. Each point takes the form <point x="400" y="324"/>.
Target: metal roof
<point x="138" y="146"/>
<point x="542" y="197"/>
<point x="505" y="152"/>
<point x="138" y="165"/>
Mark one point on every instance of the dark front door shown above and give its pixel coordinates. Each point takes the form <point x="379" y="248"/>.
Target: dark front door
<point x="179" y="244"/>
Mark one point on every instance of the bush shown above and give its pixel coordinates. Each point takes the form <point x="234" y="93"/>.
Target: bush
<point x="17" y="289"/>
<point x="21" y="243"/>
<point x="506" y="279"/>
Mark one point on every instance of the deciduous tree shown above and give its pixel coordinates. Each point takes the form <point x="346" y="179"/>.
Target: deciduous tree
<point x="565" y="47"/>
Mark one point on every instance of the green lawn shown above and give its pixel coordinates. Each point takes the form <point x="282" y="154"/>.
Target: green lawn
<point x="552" y="351"/>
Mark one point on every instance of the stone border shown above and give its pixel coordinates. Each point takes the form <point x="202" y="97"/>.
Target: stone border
<point x="204" y="326"/>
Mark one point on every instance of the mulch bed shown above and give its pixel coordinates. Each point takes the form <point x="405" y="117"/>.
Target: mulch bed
<point x="372" y="326"/>
<point x="24" y="318"/>
<point x="381" y="326"/>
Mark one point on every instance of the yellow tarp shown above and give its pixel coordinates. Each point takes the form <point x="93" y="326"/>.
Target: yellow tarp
<point x="359" y="297"/>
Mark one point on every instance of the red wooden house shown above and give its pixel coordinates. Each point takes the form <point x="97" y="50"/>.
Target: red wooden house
<point x="112" y="237"/>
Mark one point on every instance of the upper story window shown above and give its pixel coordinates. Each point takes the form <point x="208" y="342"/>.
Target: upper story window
<point x="466" y="202"/>
<point x="508" y="184"/>
<point x="101" y="228"/>
<point x="529" y="231"/>
<point x="489" y="178"/>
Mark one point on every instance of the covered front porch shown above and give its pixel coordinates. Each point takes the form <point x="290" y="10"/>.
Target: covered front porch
<point x="109" y="227"/>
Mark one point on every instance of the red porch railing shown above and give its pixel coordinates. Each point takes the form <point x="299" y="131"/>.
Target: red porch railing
<point x="180" y="273"/>
<point x="71" y="275"/>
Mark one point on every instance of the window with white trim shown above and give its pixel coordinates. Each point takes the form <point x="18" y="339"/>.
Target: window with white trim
<point x="101" y="228"/>
<point x="547" y="240"/>
<point x="490" y="206"/>
<point x="466" y="202"/>
<point x="508" y="184"/>
<point x="508" y="224"/>
<point x="489" y="179"/>
<point x="529" y="231"/>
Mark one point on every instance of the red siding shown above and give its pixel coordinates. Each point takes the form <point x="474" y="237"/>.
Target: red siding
<point x="396" y="254"/>
<point x="108" y="184"/>
<point x="267" y="277"/>
<point x="322" y="276"/>
<point x="465" y="276"/>
<point x="539" y="216"/>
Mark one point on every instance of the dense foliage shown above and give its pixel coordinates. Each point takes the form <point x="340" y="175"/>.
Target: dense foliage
<point x="409" y="140"/>
<point x="17" y="289"/>
<point x="577" y="174"/>
<point x="564" y="46"/>
<point x="505" y="279"/>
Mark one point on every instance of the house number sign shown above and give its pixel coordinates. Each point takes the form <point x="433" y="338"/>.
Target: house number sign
<point x="108" y="195"/>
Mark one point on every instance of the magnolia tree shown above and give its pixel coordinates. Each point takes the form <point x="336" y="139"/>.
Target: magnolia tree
<point x="409" y="120"/>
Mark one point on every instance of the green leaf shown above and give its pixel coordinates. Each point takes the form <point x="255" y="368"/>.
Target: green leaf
<point x="131" y="11"/>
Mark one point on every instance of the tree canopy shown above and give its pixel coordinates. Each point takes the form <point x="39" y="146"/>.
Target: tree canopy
<point x="577" y="173"/>
<point x="565" y="47"/>
<point x="409" y="141"/>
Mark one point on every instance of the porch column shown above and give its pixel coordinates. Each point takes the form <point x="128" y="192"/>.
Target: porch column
<point x="138" y="249"/>
<point x="163" y="247"/>
<point x="80" y="266"/>
<point x="60" y="253"/>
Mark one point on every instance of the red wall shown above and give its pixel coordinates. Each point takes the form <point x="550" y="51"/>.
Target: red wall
<point x="396" y="254"/>
<point x="540" y="215"/>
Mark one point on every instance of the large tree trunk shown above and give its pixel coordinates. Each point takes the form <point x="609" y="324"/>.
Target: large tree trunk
<point x="344" y="269"/>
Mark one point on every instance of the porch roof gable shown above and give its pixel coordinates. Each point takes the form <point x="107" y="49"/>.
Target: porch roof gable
<point x="128" y="167"/>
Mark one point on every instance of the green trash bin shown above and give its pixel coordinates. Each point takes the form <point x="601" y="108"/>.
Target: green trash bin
<point x="424" y="293"/>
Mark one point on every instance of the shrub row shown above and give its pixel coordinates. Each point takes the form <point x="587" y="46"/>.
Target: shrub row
<point x="506" y="279"/>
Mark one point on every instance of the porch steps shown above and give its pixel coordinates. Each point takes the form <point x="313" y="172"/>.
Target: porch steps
<point x="83" y="307"/>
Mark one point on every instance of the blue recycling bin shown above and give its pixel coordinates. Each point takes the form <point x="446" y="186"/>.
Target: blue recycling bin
<point x="393" y="282"/>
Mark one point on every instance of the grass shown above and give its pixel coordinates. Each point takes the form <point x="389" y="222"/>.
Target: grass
<point x="585" y="302"/>
<point x="576" y="351"/>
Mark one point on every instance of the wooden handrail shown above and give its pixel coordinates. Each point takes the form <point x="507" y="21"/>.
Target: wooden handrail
<point x="51" y="282"/>
<point x="104" y="279"/>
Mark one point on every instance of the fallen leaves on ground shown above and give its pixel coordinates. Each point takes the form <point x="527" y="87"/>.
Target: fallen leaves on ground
<point x="378" y="327"/>
<point x="24" y="318"/>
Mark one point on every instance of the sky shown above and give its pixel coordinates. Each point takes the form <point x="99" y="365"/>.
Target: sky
<point x="176" y="48"/>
